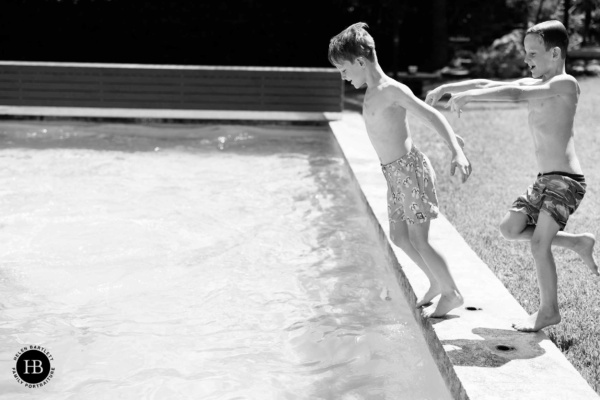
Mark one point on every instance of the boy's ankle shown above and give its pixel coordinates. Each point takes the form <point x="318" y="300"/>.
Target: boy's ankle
<point x="549" y="310"/>
<point x="451" y="292"/>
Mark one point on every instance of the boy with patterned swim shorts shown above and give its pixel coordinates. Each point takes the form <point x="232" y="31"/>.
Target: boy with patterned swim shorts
<point x="411" y="191"/>
<point x="412" y="201"/>
<point x="540" y="214"/>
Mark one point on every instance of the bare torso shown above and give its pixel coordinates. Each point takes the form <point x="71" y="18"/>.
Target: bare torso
<point x="551" y="125"/>
<point x="386" y="124"/>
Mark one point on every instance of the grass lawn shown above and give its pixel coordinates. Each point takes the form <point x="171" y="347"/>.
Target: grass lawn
<point x="500" y="148"/>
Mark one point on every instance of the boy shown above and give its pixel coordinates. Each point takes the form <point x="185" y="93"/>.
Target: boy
<point x="412" y="200"/>
<point x="541" y="214"/>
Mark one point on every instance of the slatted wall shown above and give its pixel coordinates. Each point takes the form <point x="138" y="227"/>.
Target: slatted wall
<point x="170" y="87"/>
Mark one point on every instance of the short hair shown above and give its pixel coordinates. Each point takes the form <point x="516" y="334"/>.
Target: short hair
<point x="351" y="43"/>
<point x="554" y="34"/>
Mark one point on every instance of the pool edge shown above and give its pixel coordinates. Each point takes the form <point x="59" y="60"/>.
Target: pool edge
<point x="436" y="350"/>
<point x="92" y="113"/>
<point x="481" y="371"/>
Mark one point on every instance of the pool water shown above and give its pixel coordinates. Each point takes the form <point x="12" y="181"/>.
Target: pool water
<point x="197" y="262"/>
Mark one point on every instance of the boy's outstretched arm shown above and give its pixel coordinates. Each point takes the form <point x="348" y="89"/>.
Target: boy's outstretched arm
<point x="432" y="117"/>
<point x="436" y="94"/>
<point x="522" y="90"/>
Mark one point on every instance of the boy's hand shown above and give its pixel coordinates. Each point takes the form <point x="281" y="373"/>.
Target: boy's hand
<point x="434" y="96"/>
<point x="457" y="101"/>
<point x="463" y="164"/>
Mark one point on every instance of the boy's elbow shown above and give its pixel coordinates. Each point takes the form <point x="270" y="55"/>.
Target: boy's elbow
<point x="436" y="120"/>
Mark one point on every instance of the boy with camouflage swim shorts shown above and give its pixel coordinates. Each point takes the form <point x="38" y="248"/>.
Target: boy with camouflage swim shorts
<point x="558" y="194"/>
<point x="412" y="199"/>
<point x="540" y="215"/>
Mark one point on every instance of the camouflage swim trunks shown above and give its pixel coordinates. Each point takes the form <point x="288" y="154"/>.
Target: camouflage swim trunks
<point x="558" y="194"/>
<point x="411" y="191"/>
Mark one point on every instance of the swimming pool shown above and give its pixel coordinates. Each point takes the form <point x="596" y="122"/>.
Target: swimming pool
<point x="213" y="262"/>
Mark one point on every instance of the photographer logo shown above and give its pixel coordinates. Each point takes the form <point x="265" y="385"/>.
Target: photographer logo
<point x="33" y="368"/>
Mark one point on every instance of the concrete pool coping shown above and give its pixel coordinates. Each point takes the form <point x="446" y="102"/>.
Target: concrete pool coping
<point x="478" y="353"/>
<point x="162" y="114"/>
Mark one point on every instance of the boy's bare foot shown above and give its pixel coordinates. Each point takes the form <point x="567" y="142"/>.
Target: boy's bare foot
<point x="446" y="303"/>
<point x="537" y="321"/>
<point x="585" y="249"/>
<point x="434" y="290"/>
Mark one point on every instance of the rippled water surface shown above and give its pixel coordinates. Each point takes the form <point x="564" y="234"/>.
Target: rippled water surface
<point x="197" y="262"/>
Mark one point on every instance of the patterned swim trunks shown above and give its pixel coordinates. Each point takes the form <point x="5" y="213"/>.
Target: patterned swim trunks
<point x="411" y="191"/>
<point x="558" y="194"/>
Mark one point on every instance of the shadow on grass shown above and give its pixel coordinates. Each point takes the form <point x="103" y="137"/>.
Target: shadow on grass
<point x="498" y="347"/>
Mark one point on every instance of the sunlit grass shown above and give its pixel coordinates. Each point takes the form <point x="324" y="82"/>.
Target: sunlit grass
<point x="501" y="151"/>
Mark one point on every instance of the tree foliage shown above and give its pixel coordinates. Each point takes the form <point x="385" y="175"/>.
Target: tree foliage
<point x="261" y="32"/>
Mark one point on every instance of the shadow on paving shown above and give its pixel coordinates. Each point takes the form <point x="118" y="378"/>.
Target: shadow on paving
<point x="498" y="347"/>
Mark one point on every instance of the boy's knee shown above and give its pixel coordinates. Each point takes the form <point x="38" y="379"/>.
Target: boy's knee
<point x="418" y="243"/>
<point x="539" y="246"/>
<point x="399" y="240"/>
<point x="510" y="231"/>
<point x="513" y="225"/>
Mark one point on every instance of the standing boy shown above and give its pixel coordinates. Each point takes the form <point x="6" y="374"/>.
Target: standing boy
<point x="412" y="200"/>
<point x="541" y="214"/>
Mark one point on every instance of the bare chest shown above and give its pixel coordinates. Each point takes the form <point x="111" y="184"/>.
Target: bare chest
<point x="548" y="108"/>
<point x="551" y="122"/>
<point x="381" y="114"/>
<point x="370" y="110"/>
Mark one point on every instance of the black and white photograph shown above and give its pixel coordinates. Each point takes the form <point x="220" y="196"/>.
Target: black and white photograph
<point x="299" y="200"/>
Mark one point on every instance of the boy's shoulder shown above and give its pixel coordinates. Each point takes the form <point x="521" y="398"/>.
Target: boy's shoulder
<point x="556" y="85"/>
<point x="565" y="83"/>
<point x="569" y="79"/>
<point x="387" y="85"/>
<point x="390" y="90"/>
<point x="564" y="78"/>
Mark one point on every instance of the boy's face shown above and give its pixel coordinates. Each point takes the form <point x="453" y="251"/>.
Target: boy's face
<point x="539" y="60"/>
<point x="353" y="72"/>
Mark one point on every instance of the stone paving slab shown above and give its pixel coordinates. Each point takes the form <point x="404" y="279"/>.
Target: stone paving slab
<point x="489" y="358"/>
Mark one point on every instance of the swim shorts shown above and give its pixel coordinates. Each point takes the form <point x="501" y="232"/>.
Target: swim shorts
<point x="411" y="192"/>
<point x="558" y="194"/>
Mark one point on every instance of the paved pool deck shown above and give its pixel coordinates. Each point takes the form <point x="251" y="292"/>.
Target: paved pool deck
<point x="478" y="352"/>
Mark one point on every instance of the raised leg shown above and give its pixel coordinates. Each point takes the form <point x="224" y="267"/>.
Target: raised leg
<point x="514" y="227"/>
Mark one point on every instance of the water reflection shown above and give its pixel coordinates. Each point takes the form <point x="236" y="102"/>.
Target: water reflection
<point x="210" y="268"/>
